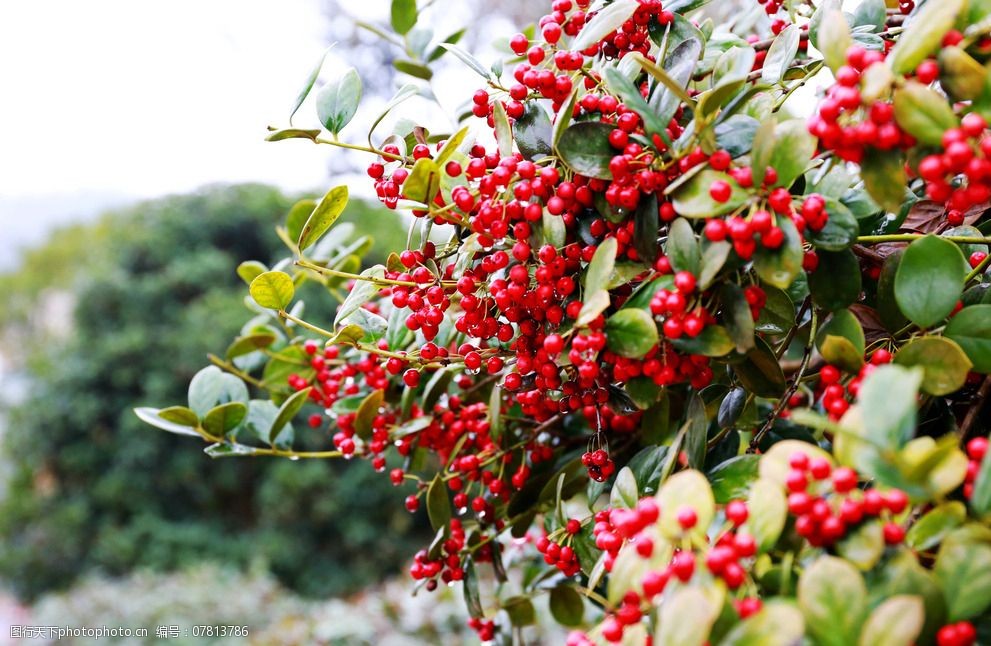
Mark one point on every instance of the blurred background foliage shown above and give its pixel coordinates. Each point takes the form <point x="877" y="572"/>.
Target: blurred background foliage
<point x="144" y="294"/>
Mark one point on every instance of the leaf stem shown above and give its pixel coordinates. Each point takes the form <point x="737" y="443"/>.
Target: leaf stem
<point x="909" y="237"/>
<point x="306" y="264"/>
<point x="359" y="148"/>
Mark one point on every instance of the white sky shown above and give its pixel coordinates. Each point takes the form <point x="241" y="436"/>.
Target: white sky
<point x="145" y="97"/>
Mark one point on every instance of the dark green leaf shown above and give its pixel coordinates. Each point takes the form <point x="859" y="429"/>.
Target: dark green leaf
<point x="760" y="372"/>
<point x="585" y="148"/>
<point x="438" y="504"/>
<point x="737" y="316"/>
<point x="567" y="606"/>
<point x="841" y="341"/>
<point x="224" y="418"/>
<point x="682" y="247"/>
<point x="414" y="69"/>
<point x="884" y="178"/>
<point x="631" y="333"/>
<point x="779" y="267"/>
<point x="731" y="480"/>
<point x="714" y="341"/>
<point x="929" y="280"/>
<point x="287" y="411"/>
<point x="841" y="229"/>
<point x="533" y="131"/>
<point x="836" y="282"/>
<point x="971" y="329"/>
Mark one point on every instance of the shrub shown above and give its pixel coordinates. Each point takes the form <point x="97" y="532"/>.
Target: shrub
<point x="93" y="489"/>
<point x="720" y="372"/>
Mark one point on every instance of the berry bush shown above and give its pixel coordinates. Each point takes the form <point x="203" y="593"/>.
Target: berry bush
<point x="694" y="368"/>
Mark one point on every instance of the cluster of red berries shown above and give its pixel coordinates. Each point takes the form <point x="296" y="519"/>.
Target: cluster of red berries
<point x="976" y="450"/>
<point x="447" y="564"/>
<point x="561" y="555"/>
<point x="960" y="175"/>
<point x="845" y="125"/>
<point x="633" y="35"/>
<point x="600" y="466"/>
<point x="836" y="397"/>
<point x="825" y="517"/>
<point x="961" y="633"/>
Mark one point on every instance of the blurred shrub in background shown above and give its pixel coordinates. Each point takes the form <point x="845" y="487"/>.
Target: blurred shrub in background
<point x="91" y="488"/>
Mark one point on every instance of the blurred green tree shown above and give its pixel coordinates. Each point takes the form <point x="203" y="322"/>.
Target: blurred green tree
<point x="92" y="488"/>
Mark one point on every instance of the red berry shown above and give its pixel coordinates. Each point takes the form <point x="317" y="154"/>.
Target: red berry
<point x="720" y="191"/>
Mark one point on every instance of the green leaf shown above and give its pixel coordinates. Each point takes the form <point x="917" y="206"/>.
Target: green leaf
<point x="870" y="12"/>
<point x="630" y="95"/>
<point x="272" y="289"/>
<point x="631" y="333"/>
<point x="153" y="417"/>
<point x="729" y="75"/>
<point x="896" y="622"/>
<point x="249" y="343"/>
<point x="833" y="598"/>
<point x="211" y="386"/>
<point x="366" y="413"/>
<point x="308" y="84"/>
<point x="645" y="226"/>
<point x="887" y="306"/>
<point x="604" y="22"/>
<point x="287" y="411"/>
<point x="323" y="216"/>
<point x="779" y="267"/>
<point x="923" y="113"/>
<point x="224" y="418"/>
<point x="337" y="101"/>
<point x="980" y="499"/>
<point x="250" y="269"/>
<point x="714" y="256"/>
<point x="503" y="131"/>
<point x="180" y="415"/>
<point x="780" y="55"/>
<point x="970" y="328"/>
<point x="692" y="199"/>
<point x="778" y="315"/>
<point x="943" y="362"/>
<point x="567" y="606"/>
<point x="834" y="38"/>
<point x="714" y="341"/>
<point x="930" y="530"/>
<point x="438" y="504"/>
<point x="414" y="69"/>
<point x="768" y="513"/>
<point x="520" y="610"/>
<point x="534" y="131"/>
<point x="682" y="247"/>
<point x="294" y="133"/>
<point x="778" y="623"/>
<point x="473" y="600"/>
<point x="759" y="371"/>
<point x="841" y="341"/>
<point x="298" y="214"/>
<point x="736" y="312"/>
<point x="863" y="546"/>
<point x="731" y="479"/>
<point x="585" y="148"/>
<point x="930" y="280"/>
<point x="736" y="134"/>
<point x="600" y="268"/>
<point x="624" y="494"/>
<point x="362" y="292"/>
<point x="887" y="399"/>
<point x="884" y="178"/>
<point x="403" y="15"/>
<point x="685" y="489"/>
<point x="675" y="85"/>
<point x="792" y="151"/>
<point x="836" y="282"/>
<point x="841" y="229"/>
<point x="686" y="618"/>
<point x="594" y="303"/>
<point x="405" y="92"/>
<point x="963" y="571"/>
<point x="923" y="34"/>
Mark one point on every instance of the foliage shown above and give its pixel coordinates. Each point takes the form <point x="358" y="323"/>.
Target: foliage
<point x="768" y="334"/>
<point x="93" y="489"/>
